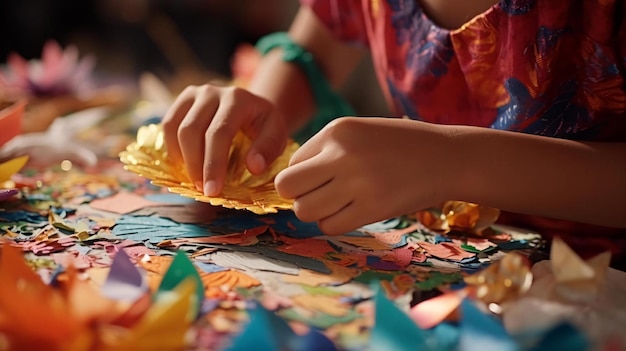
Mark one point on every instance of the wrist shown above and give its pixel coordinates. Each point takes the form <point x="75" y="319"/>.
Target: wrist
<point x="462" y="171"/>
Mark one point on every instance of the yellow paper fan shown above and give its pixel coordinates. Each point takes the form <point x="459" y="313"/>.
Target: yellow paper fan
<point x="147" y="157"/>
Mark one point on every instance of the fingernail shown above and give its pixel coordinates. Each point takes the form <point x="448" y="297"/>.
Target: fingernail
<point x="259" y="162"/>
<point x="198" y="185"/>
<point x="210" y="188"/>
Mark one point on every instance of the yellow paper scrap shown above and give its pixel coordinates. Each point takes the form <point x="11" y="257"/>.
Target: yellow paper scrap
<point x="11" y="167"/>
<point x="147" y="156"/>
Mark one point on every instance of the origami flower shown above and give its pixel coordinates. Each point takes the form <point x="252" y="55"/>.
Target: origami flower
<point x="242" y="190"/>
<point x="58" y="72"/>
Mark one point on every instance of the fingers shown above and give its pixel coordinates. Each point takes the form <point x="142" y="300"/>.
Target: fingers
<point x="200" y="126"/>
<point x="218" y="139"/>
<point x="309" y="149"/>
<point x="322" y="202"/>
<point x="342" y="221"/>
<point x="302" y="178"/>
<point x="191" y="136"/>
<point x="172" y="120"/>
<point x="269" y="142"/>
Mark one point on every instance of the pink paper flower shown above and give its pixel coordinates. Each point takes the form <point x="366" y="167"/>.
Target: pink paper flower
<point x="58" y="72"/>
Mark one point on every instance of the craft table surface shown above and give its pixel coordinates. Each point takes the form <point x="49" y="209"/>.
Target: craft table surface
<point x="84" y="216"/>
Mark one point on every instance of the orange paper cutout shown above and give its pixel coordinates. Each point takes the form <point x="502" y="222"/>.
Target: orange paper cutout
<point x="11" y="118"/>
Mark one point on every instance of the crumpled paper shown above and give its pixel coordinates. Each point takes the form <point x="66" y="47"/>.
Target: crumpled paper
<point x="459" y="216"/>
<point x="589" y="294"/>
<point x="242" y="190"/>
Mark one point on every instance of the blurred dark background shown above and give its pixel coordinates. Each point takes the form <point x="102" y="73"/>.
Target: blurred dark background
<point x="192" y="38"/>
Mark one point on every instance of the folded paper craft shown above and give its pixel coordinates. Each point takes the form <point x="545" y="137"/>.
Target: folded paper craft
<point x="147" y="156"/>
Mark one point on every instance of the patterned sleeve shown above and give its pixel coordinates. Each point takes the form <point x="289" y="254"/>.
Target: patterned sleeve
<point x="344" y="18"/>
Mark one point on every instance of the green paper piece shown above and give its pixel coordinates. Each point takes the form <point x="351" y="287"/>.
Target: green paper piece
<point x="370" y="276"/>
<point x="320" y="290"/>
<point x="436" y="279"/>
<point x="319" y="320"/>
<point x="393" y="329"/>
<point x="472" y="249"/>
<point x="181" y="269"/>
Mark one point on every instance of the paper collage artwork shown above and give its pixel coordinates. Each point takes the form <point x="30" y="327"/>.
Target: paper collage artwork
<point x="109" y="259"/>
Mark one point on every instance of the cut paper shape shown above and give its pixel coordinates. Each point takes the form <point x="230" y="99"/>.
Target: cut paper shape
<point x="155" y="229"/>
<point x="125" y="282"/>
<point x="6" y="194"/>
<point x="122" y="202"/>
<point x="169" y="199"/>
<point x="247" y="238"/>
<point x="330" y="305"/>
<point x="393" y="330"/>
<point x="481" y="332"/>
<point x="574" y="277"/>
<point x="502" y="281"/>
<point x="166" y="323"/>
<point x="564" y="336"/>
<point x="429" y="313"/>
<point x="209" y="267"/>
<point x="242" y="190"/>
<point x="11" y="167"/>
<point x="318" y="319"/>
<point x="446" y="250"/>
<point x="24" y="295"/>
<point x="181" y="269"/>
<point x="266" y="331"/>
<point x="253" y="261"/>
<point x="227" y="280"/>
<point x="338" y="275"/>
<point x="11" y="119"/>
<point x="460" y="216"/>
<point x="300" y="261"/>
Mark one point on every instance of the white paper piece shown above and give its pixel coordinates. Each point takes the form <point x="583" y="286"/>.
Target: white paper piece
<point x="252" y="261"/>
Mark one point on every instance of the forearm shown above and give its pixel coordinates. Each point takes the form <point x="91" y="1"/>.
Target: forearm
<point x="285" y="84"/>
<point x="571" y="180"/>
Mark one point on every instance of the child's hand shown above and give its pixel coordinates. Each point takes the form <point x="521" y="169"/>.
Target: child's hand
<point x="357" y="171"/>
<point x="200" y="126"/>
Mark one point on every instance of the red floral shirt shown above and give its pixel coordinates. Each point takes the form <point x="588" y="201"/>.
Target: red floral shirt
<point x="545" y="67"/>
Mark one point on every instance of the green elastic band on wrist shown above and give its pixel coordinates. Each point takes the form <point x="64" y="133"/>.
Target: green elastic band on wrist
<point x="329" y="104"/>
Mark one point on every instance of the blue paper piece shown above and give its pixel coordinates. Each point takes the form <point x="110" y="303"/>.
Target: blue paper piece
<point x="514" y="245"/>
<point x="480" y="332"/>
<point x="54" y="279"/>
<point x="382" y="226"/>
<point x="170" y="199"/>
<point x="156" y="229"/>
<point x="445" y="337"/>
<point x="442" y="239"/>
<point x="266" y="331"/>
<point x="563" y="337"/>
<point x="125" y="282"/>
<point x="284" y="222"/>
<point x="380" y="264"/>
<point x="22" y="216"/>
<point x="209" y="267"/>
<point x="393" y="330"/>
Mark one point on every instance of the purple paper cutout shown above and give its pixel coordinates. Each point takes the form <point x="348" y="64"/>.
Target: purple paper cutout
<point x="6" y="194"/>
<point x="125" y="281"/>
